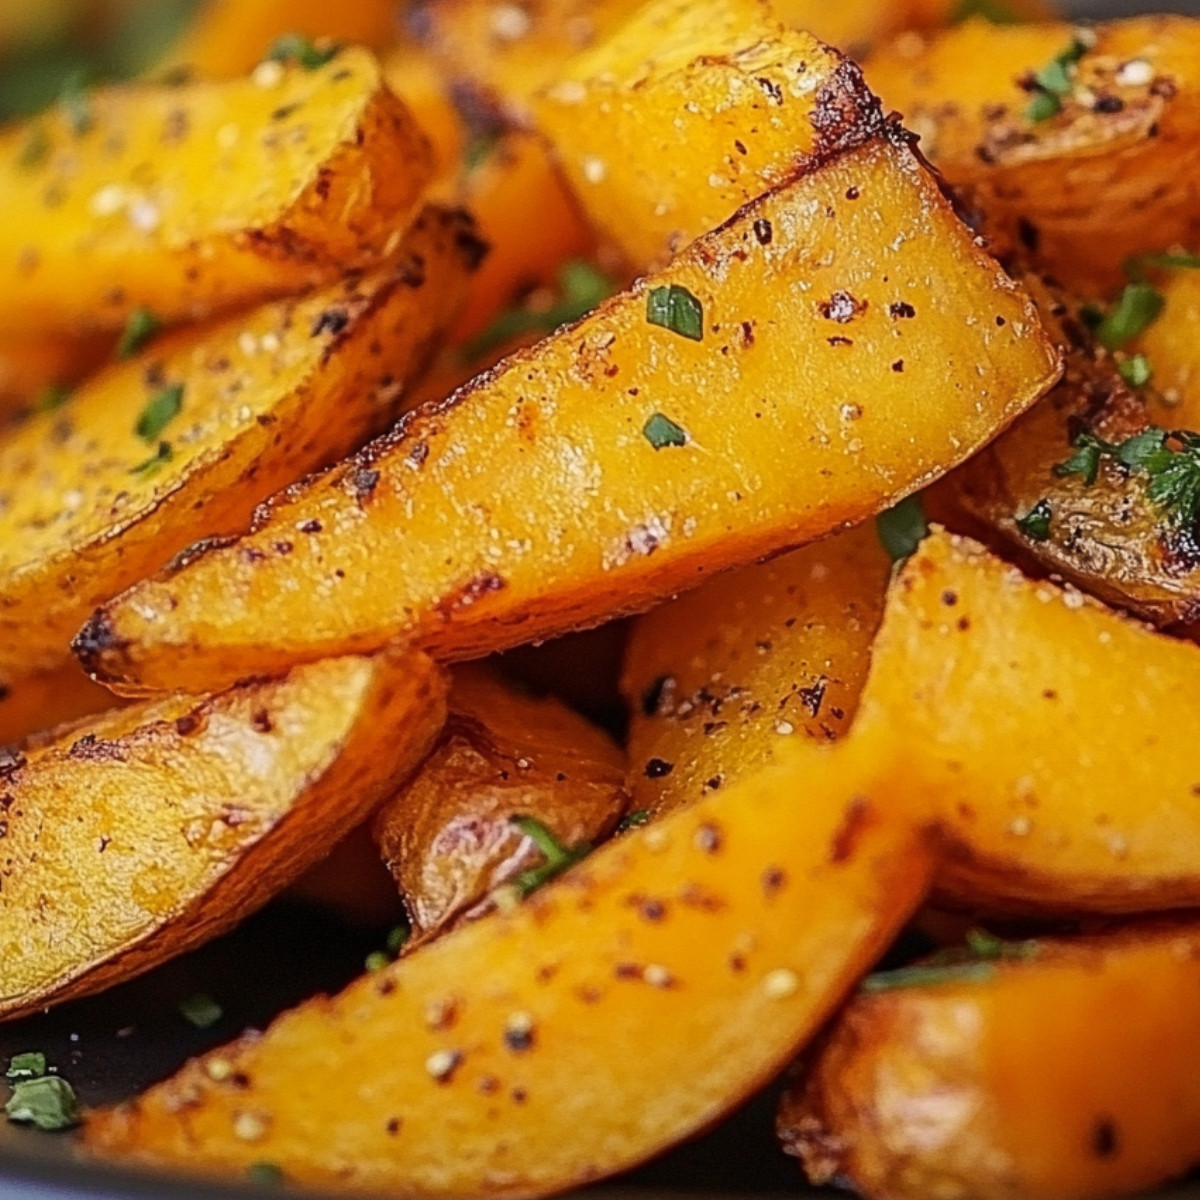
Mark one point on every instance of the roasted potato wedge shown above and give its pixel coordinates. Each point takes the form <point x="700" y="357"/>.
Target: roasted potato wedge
<point x="93" y="501"/>
<point x="621" y="1007"/>
<point x="1084" y="178"/>
<point x="689" y="111"/>
<point x="718" y="678"/>
<point x="1033" y="723"/>
<point x="186" y="200"/>
<point x="40" y="702"/>
<point x="517" y="177"/>
<point x="1100" y="528"/>
<point x="448" y="836"/>
<point x="229" y="37"/>
<point x="1172" y="349"/>
<point x="717" y="412"/>
<point x="1011" y="1079"/>
<point x="149" y="830"/>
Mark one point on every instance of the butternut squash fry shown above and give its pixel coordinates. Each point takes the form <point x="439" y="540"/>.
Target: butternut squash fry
<point x="1014" y="1081"/>
<point x="621" y="1007"/>
<point x="795" y="371"/>
<point x="198" y="811"/>
<point x="1112" y="170"/>
<point x="690" y="110"/>
<point x="719" y="678"/>
<point x="191" y="199"/>
<point x="448" y="835"/>
<point x="1034" y="724"/>
<point x="92" y="500"/>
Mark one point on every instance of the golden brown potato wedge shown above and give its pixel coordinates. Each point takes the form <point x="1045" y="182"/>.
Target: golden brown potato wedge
<point x="1172" y="349"/>
<point x="185" y="200"/>
<point x="229" y="37"/>
<point x="1067" y="1071"/>
<point x="1079" y="511"/>
<point x="793" y="372"/>
<point x="690" y="110"/>
<point x="1035" y="726"/>
<point x="184" y="440"/>
<point x="448" y="836"/>
<point x="1085" y="176"/>
<point x="37" y="703"/>
<point x="621" y="1007"/>
<point x="717" y="679"/>
<point x="146" y="831"/>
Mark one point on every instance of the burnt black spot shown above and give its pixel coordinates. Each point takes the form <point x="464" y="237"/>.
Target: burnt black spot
<point x="763" y="231"/>
<point x="898" y="366"/>
<point x="518" y="1039"/>
<point x="1029" y="235"/>
<point x="363" y="481"/>
<point x="1105" y="1142"/>
<point x="901" y="310"/>
<point x="187" y="725"/>
<point x="1108" y="103"/>
<point x="313" y="526"/>
<point x="472" y="247"/>
<point x="949" y="598"/>
<point x="811" y="698"/>
<point x="195" y="552"/>
<point x="96" y="639"/>
<point x="658" y="768"/>
<point x="331" y="321"/>
<point x="262" y="722"/>
<point x="654" y="695"/>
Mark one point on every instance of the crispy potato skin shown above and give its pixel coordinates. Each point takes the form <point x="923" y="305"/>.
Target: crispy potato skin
<point x="1109" y="538"/>
<point x="700" y="950"/>
<point x="198" y="811"/>
<point x="1089" y="187"/>
<point x="1020" y="1086"/>
<point x="447" y="835"/>
<point x="39" y="702"/>
<point x="804" y="409"/>
<point x="689" y="111"/>
<point x="1034" y="722"/>
<point x="229" y="37"/>
<point x="268" y="395"/>
<point x="517" y="178"/>
<point x="311" y="177"/>
<point x="719" y="678"/>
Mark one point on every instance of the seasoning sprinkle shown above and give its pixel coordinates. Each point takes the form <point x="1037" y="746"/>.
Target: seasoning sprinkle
<point x="676" y="309"/>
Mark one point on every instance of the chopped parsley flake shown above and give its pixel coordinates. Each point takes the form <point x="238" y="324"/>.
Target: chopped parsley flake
<point x="1171" y="460"/>
<point x="396" y="940"/>
<point x="660" y="431"/>
<point x="1136" y="371"/>
<point x="633" y="820"/>
<point x="1053" y="83"/>
<point x="676" y="309"/>
<point x="155" y="463"/>
<point x="902" y="528"/>
<point x="1035" y="524"/>
<point x="1137" y="308"/>
<point x="31" y="1065"/>
<point x="991" y="10"/>
<point x="295" y="47"/>
<point x="1135" y="268"/>
<point x="558" y="857"/>
<point x="930" y="976"/>
<point x="161" y="409"/>
<point x="76" y="103"/>
<point x="581" y="288"/>
<point x="141" y="326"/>
<point x="265" y="1174"/>
<point x="53" y="397"/>
<point x="49" y="1102"/>
<point x="201" y="1010"/>
<point x="377" y="960"/>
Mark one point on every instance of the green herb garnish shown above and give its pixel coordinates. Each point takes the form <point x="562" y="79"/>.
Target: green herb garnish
<point x="633" y="820"/>
<point x="1035" y="524"/>
<point x="930" y="976"/>
<point x="49" y="1102"/>
<point x="558" y="857"/>
<point x="660" y="431"/>
<point x="1054" y="81"/>
<point x="986" y="947"/>
<point x="377" y="960"/>
<point x="396" y="939"/>
<point x="1137" y="308"/>
<point x="1136" y="371"/>
<point x="161" y="409"/>
<point x="991" y="10"/>
<point x="676" y="309"/>
<point x="53" y="397"/>
<point x="295" y="47"/>
<point x="1135" y="268"/>
<point x="141" y="326"/>
<point x="76" y="102"/>
<point x="201" y="1010"/>
<point x="31" y="1065"/>
<point x="902" y="528"/>
<point x="479" y="150"/>
<point x="1171" y="460"/>
<point x="35" y="149"/>
<point x="266" y="1174"/>
<point x="581" y="288"/>
<point x="155" y="463"/>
